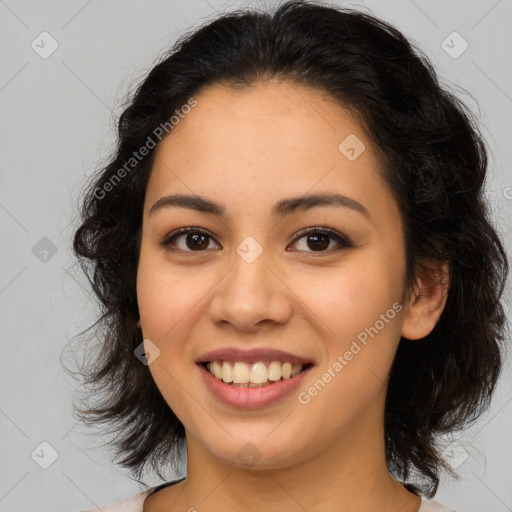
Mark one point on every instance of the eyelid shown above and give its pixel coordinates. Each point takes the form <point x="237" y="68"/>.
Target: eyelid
<point x="342" y="240"/>
<point x="166" y="242"/>
<point x="332" y="232"/>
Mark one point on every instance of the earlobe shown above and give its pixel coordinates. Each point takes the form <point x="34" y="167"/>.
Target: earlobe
<point x="426" y="303"/>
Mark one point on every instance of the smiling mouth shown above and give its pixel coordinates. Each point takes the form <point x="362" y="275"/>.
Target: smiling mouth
<point x="255" y="375"/>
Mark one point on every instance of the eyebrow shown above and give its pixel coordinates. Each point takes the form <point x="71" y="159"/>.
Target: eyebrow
<point x="282" y="208"/>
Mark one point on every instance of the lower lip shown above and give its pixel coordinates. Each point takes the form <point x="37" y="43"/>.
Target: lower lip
<point x="251" y="398"/>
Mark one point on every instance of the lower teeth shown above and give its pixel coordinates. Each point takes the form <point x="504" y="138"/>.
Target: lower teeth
<point x="250" y="384"/>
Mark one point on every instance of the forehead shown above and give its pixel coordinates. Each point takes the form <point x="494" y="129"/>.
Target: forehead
<point x="272" y="114"/>
<point x="264" y="142"/>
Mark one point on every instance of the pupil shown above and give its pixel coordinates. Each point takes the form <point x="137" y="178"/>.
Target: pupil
<point x="197" y="237"/>
<point x="321" y="241"/>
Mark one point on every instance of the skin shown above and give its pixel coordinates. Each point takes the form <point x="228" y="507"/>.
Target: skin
<point x="249" y="149"/>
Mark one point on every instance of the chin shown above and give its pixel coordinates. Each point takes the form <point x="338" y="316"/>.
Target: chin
<point x="257" y="452"/>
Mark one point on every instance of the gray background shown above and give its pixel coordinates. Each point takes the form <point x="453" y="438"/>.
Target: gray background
<point x="57" y="124"/>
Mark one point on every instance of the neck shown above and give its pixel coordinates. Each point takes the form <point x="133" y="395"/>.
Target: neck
<point x="351" y="475"/>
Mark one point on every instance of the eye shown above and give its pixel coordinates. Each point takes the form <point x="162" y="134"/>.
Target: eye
<point x="197" y="240"/>
<point x="319" y="239"/>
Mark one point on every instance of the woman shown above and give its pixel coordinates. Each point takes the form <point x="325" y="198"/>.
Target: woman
<point x="301" y="284"/>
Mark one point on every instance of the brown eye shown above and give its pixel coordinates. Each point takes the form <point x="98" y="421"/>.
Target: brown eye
<point x="319" y="240"/>
<point x="194" y="240"/>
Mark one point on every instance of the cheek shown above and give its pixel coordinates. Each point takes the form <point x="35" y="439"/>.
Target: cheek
<point x="167" y="297"/>
<point x="349" y="297"/>
<point x="169" y="304"/>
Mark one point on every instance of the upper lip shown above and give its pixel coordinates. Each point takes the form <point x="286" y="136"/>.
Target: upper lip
<point x="251" y="356"/>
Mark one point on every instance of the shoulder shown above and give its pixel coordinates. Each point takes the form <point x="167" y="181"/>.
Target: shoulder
<point x="132" y="504"/>
<point x="433" y="506"/>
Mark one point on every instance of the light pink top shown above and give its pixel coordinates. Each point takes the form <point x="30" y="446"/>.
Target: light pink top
<point x="136" y="504"/>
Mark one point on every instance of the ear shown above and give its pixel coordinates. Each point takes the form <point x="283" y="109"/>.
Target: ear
<point x="426" y="302"/>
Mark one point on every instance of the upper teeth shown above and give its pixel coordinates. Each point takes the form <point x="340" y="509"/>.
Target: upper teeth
<point x="257" y="373"/>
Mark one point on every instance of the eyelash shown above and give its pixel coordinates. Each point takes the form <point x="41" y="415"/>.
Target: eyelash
<point x="331" y="232"/>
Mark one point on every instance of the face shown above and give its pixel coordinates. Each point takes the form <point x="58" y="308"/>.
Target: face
<point x="260" y="271"/>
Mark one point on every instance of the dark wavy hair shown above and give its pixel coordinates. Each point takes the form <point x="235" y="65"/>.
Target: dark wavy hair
<point x="433" y="159"/>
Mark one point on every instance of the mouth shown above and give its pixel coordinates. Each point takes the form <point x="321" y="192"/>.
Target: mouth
<point x="258" y="374"/>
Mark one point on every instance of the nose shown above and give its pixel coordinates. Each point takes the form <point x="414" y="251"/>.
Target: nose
<point x="251" y="295"/>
